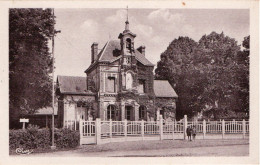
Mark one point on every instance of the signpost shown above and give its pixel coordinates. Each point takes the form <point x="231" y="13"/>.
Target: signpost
<point x="24" y="121"/>
<point x="53" y="84"/>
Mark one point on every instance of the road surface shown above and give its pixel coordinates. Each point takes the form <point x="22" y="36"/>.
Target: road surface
<point x="228" y="150"/>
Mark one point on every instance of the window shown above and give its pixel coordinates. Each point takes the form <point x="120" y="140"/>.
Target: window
<point x="129" y="81"/>
<point x="111" y="112"/>
<point x="128" y="114"/>
<point x="128" y="45"/>
<point x="142" y="111"/>
<point x="141" y="86"/>
<point x="128" y="60"/>
<point x="110" y="85"/>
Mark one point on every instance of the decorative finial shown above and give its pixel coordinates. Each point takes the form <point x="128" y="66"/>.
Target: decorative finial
<point x="127" y="13"/>
<point x="126" y="22"/>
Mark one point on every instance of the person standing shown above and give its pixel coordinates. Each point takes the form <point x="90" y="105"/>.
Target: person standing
<point x="188" y="131"/>
<point x="194" y="132"/>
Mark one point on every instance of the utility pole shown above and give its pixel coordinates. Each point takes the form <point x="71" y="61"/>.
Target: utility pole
<point x="53" y="84"/>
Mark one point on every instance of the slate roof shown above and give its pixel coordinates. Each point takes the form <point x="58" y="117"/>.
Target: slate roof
<point x="162" y="88"/>
<point x="77" y="85"/>
<point x="111" y="51"/>
<point x="73" y="85"/>
<point x="46" y="111"/>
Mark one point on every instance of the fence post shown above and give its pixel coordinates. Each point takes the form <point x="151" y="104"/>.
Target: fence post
<point x="223" y="128"/>
<point x="161" y="128"/>
<point x="185" y="123"/>
<point x="175" y="123"/>
<point x="80" y="131"/>
<point x="142" y="129"/>
<point x="204" y="128"/>
<point x="98" y="130"/>
<point x="75" y="122"/>
<point x="173" y="130"/>
<point x="244" y="128"/>
<point x="125" y="129"/>
<point x="110" y="128"/>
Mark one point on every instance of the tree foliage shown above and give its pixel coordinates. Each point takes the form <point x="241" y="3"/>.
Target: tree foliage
<point x="30" y="62"/>
<point x="209" y="76"/>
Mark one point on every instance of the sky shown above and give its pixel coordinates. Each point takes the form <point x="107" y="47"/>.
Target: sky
<point x="155" y="28"/>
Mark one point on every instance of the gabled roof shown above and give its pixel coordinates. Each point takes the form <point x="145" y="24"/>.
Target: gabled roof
<point x="111" y="51"/>
<point x="162" y="88"/>
<point x="72" y="85"/>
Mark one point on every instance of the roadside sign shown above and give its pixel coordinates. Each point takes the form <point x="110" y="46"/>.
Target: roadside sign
<point x="24" y="120"/>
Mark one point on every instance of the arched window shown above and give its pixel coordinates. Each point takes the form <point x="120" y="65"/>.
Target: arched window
<point x="129" y="80"/>
<point x="111" y="112"/>
<point x="142" y="111"/>
<point x="128" y="44"/>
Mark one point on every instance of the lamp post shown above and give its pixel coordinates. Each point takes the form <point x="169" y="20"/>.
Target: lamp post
<point x="53" y="84"/>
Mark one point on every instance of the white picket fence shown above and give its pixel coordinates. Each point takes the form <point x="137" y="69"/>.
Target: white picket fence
<point x="221" y="126"/>
<point x="98" y="132"/>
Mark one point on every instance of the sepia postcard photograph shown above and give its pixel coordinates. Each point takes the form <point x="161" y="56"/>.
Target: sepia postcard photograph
<point x="149" y="82"/>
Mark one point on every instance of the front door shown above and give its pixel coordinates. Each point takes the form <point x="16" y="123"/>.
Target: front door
<point x="129" y="113"/>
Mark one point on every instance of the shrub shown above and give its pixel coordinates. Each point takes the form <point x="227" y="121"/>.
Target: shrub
<point x="66" y="138"/>
<point x="30" y="138"/>
<point x="35" y="138"/>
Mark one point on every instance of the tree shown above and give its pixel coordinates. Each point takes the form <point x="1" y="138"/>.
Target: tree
<point x="176" y="66"/>
<point x="206" y="75"/>
<point x="243" y="76"/>
<point x="30" y="62"/>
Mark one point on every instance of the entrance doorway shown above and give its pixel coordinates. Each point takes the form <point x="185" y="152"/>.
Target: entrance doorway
<point x="129" y="113"/>
<point x="162" y="113"/>
<point x="81" y="113"/>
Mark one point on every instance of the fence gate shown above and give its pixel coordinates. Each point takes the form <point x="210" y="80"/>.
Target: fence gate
<point x="87" y="132"/>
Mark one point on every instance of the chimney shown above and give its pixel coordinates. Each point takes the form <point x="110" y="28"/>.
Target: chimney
<point x="141" y="49"/>
<point x="94" y="52"/>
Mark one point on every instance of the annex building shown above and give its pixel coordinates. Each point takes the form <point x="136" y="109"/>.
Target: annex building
<point x="119" y="85"/>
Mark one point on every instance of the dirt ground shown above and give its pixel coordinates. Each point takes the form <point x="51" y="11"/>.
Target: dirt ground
<point x="165" y="148"/>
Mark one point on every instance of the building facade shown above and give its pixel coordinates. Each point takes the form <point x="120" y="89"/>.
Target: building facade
<point x="119" y="85"/>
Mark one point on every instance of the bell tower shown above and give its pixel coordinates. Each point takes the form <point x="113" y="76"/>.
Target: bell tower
<point x="127" y="39"/>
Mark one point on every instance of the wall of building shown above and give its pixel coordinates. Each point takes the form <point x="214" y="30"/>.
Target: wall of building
<point x="43" y="121"/>
<point x="92" y="79"/>
<point x="146" y="73"/>
<point x="105" y="72"/>
<point x="69" y="110"/>
<point x="167" y="106"/>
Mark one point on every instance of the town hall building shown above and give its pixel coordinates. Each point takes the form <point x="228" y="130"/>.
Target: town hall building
<point x="119" y="85"/>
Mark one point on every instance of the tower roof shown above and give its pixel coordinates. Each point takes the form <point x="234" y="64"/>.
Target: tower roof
<point x="127" y="30"/>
